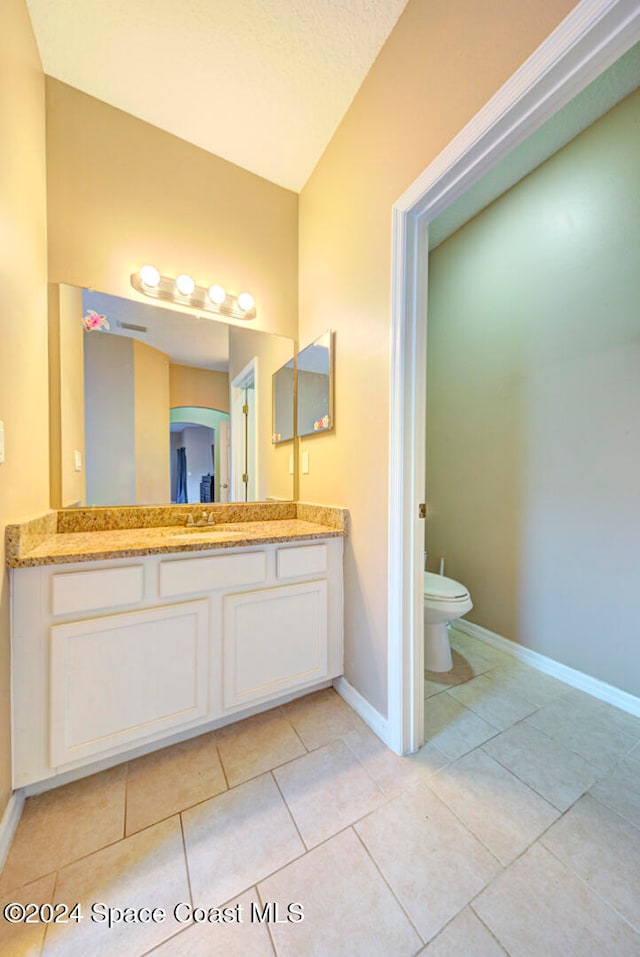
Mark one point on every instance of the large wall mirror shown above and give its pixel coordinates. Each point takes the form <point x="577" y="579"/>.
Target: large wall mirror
<point x="161" y="406"/>
<point x="315" y="387"/>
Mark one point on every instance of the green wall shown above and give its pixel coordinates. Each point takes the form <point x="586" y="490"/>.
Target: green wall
<point x="533" y="415"/>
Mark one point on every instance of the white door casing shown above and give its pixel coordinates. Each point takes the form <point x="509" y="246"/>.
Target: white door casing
<point x="225" y="457"/>
<point x="590" y="39"/>
<point x="244" y="432"/>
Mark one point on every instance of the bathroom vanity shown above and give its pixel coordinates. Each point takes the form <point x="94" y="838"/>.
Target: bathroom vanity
<point x="127" y="638"/>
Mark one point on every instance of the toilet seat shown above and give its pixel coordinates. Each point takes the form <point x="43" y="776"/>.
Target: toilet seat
<point x="439" y="588"/>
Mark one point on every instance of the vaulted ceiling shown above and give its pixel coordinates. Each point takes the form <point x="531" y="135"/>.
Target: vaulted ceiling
<point x="261" y="83"/>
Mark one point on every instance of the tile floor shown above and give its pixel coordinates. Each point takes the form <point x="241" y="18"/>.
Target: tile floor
<point x="515" y="830"/>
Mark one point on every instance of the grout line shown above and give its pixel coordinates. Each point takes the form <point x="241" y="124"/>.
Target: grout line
<point x="286" y="717"/>
<point x="270" y="770"/>
<point x="538" y="840"/>
<point x="533" y="788"/>
<point x="562" y="744"/>
<point x="289" y="812"/>
<point x="271" y="940"/>
<point x="53" y="901"/>
<point x="186" y="860"/>
<point x="498" y="876"/>
<point x="592" y="889"/>
<point x="224" y="771"/>
<point x="156" y="947"/>
<point x="75" y="860"/>
<point x="465" y="826"/>
<point x="177" y="812"/>
<point x="489" y="930"/>
<point x="191" y="923"/>
<point x="305" y="853"/>
<point x="388" y="885"/>
<point x="613" y="810"/>
<point x="291" y="760"/>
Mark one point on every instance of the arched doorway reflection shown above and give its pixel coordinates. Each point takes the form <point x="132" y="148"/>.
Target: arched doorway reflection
<point x="199" y="440"/>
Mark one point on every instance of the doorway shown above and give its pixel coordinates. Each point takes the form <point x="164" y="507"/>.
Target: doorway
<point x="202" y="434"/>
<point x="244" y="413"/>
<point x="588" y="41"/>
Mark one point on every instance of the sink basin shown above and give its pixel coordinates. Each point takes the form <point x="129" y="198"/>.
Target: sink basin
<point x="197" y="535"/>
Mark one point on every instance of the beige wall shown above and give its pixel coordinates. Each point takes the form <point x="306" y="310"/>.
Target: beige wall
<point x="24" y="477"/>
<point x="204" y="388"/>
<point x="122" y="193"/>
<point x="66" y="395"/>
<point x="442" y="62"/>
<point x="127" y="422"/>
<point x="110" y="420"/>
<point x="533" y="459"/>
<point x="151" y="398"/>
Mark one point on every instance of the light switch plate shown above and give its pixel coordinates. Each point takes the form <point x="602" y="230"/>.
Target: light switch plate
<point x="305" y="463"/>
<point x="77" y="461"/>
<point x="1" y="442"/>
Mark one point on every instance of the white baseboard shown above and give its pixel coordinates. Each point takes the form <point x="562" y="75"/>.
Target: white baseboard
<point x="9" y="822"/>
<point x="378" y="724"/>
<point x="570" y="676"/>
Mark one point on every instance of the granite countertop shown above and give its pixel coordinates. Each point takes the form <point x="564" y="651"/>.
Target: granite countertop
<point x="89" y="535"/>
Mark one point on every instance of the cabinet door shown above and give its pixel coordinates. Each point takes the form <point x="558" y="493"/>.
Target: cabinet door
<point x="121" y="678"/>
<point x="274" y="639"/>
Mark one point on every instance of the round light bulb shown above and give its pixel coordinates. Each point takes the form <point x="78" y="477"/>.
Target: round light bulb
<point x="217" y="295"/>
<point x="150" y="276"/>
<point x="185" y="284"/>
<point x="245" y="301"/>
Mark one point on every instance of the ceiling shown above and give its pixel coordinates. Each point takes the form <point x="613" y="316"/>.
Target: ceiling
<point x="261" y="83"/>
<point x="186" y="338"/>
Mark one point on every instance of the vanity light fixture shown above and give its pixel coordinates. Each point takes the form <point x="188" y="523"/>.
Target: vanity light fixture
<point x="150" y="276"/>
<point x="217" y="295"/>
<point x="245" y="301"/>
<point x="185" y="284"/>
<point x="184" y="291"/>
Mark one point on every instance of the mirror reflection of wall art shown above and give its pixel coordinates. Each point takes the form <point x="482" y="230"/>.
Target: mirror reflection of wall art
<point x="315" y="387"/>
<point x="283" y="391"/>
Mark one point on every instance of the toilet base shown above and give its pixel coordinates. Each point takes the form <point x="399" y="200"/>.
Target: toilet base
<point x="437" y="650"/>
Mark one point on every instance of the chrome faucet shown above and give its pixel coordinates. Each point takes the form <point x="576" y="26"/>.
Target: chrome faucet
<point x="201" y="522"/>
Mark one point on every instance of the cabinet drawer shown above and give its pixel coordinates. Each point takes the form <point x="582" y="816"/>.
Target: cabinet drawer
<point x="273" y="639"/>
<point x="119" y="679"/>
<point x="190" y="575"/>
<point x="100" y="588"/>
<point x="301" y="560"/>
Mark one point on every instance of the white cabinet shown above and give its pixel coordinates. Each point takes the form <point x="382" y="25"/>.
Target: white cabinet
<point x="74" y="592"/>
<point x="186" y="576"/>
<point x="112" y="656"/>
<point x="118" y="679"/>
<point x="301" y="560"/>
<point x="274" y="639"/>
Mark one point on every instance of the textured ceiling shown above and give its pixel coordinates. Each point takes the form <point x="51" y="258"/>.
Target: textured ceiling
<point x="262" y="83"/>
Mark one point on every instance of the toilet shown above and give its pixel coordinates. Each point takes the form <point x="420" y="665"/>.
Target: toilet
<point x="444" y="601"/>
